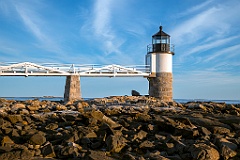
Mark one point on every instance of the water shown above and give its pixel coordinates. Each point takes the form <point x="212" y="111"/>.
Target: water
<point x="208" y="100"/>
<point x="177" y="100"/>
<point x="32" y="98"/>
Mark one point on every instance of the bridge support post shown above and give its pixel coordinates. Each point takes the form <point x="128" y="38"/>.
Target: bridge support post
<point x="161" y="86"/>
<point x="72" y="88"/>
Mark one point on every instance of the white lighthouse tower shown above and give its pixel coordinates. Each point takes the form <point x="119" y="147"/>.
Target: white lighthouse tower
<point x="159" y="58"/>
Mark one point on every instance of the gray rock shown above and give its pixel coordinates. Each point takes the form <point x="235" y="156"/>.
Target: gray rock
<point x="135" y="93"/>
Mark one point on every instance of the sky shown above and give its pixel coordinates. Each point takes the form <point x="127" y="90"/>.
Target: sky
<point x="206" y="35"/>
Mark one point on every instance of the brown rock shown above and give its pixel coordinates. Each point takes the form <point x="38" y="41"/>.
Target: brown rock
<point x="33" y="108"/>
<point x="16" y="155"/>
<point x="204" y="151"/>
<point x="37" y="139"/>
<point x="227" y="152"/>
<point x="155" y="156"/>
<point x="69" y="152"/>
<point x="224" y="142"/>
<point x="146" y="144"/>
<point x="196" y="106"/>
<point x="6" y="140"/>
<point x="61" y="107"/>
<point x="52" y="126"/>
<point x="17" y="106"/>
<point x="47" y="150"/>
<point x="140" y="135"/>
<point x="101" y="117"/>
<point x="99" y="155"/>
<point x="15" y="118"/>
<point x="115" y="143"/>
<point x="220" y="130"/>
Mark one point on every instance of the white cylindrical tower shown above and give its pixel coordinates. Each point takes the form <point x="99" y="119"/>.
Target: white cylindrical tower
<point x="159" y="58"/>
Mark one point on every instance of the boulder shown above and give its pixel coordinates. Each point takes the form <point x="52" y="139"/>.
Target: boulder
<point x="33" y="108"/>
<point x="37" y="139"/>
<point x="15" y="118"/>
<point x="135" y="93"/>
<point x="220" y="142"/>
<point x="99" y="155"/>
<point x="204" y="151"/>
<point x="47" y="150"/>
<point x="18" y="106"/>
<point x="227" y="152"/>
<point x="146" y="144"/>
<point x="60" y="107"/>
<point x="140" y="135"/>
<point x="6" y="140"/>
<point x="51" y="126"/>
<point x="69" y="152"/>
<point x="98" y="115"/>
<point x="196" y="106"/>
<point x="220" y="130"/>
<point x="115" y="143"/>
<point x="155" y="156"/>
<point x="16" y="155"/>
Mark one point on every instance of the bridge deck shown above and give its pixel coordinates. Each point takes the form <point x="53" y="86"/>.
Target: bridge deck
<point x="89" y="70"/>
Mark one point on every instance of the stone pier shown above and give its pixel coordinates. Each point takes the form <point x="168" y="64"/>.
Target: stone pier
<point x="72" y="88"/>
<point x="161" y="86"/>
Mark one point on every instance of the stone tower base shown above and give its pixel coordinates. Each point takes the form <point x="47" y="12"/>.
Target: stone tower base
<point x="161" y="86"/>
<point x="72" y="88"/>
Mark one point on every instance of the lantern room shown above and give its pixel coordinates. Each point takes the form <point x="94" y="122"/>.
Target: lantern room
<point x="161" y="41"/>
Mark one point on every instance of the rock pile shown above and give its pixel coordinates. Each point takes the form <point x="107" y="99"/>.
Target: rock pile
<point x="124" y="127"/>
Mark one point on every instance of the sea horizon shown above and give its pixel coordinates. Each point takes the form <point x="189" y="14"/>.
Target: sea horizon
<point x="179" y="100"/>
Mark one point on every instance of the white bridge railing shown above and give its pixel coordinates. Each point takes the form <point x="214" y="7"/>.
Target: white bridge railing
<point x="88" y="70"/>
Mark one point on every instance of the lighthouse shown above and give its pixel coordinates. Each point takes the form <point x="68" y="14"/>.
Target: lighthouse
<point x="159" y="59"/>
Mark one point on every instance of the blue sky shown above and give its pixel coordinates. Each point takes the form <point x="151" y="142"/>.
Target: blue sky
<point x="206" y="35"/>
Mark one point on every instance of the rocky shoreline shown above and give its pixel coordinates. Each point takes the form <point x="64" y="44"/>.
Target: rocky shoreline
<point x="119" y="127"/>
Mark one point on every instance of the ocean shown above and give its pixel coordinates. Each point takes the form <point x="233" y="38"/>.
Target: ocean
<point x="177" y="100"/>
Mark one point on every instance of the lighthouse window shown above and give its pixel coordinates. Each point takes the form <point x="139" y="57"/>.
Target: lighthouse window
<point x="164" y="41"/>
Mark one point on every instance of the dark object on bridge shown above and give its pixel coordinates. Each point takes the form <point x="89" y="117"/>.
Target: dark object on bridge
<point x="135" y="93"/>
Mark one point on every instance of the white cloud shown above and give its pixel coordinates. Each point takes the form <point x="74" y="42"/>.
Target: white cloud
<point x="195" y="8"/>
<point x="229" y="51"/>
<point x="215" y="21"/>
<point x="102" y="26"/>
<point x="102" y="18"/>
<point x="210" y="45"/>
<point x="36" y="25"/>
<point x="193" y="29"/>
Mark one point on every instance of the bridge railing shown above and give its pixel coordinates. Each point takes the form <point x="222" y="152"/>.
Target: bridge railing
<point x="57" y="69"/>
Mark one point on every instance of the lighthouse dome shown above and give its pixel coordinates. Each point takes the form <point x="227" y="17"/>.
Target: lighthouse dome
<point x="160" y="33"/>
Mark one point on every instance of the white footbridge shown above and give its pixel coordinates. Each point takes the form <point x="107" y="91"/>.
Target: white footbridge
<point x="89" y="70"/>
